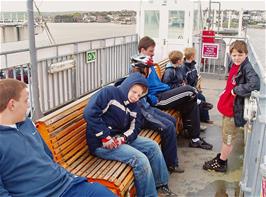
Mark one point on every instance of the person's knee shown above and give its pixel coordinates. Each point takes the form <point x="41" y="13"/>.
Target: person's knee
<point x="155" y="148"/>
<point x="169" y="130"/>
<point x="173" y="120"/>
<point x="142" y="166"/>
<point x="139" y="159"/>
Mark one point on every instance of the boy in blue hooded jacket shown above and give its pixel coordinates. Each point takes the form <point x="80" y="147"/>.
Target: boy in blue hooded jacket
<point x="113" y="125"/>
<point x="26" y="164"/>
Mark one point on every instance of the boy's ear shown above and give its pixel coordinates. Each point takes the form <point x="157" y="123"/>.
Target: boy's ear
<point x="11" y="105"/>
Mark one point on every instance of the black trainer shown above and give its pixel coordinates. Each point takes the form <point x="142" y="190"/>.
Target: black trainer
<point x="205" y="105"/>
<point x="165" y="191"/>
<point x="215" y="164"/>
<point x="175" y="169"/>
<point x="201" y="143"/>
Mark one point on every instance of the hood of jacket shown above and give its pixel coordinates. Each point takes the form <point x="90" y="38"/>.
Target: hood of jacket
<point x="190" y="64"/>
<point x="131" y="80"/>
<point x="169" y="65"/>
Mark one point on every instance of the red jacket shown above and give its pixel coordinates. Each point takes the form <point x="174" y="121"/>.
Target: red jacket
<point x="226" y="102"/>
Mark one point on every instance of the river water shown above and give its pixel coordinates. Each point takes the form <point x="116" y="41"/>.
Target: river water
<point x="74" y="32"/>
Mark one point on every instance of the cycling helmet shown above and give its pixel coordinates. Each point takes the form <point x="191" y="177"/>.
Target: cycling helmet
<point x="141" y="61"/>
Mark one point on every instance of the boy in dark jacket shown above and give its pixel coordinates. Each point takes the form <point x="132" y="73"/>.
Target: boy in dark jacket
<point x="191" y="77"/>
<point x="174" y="74"/>
<point x="242" y="80"/>
<point x="157" y="120"/>
<point x="26" y="164"/>
<point x="113" y="118"/>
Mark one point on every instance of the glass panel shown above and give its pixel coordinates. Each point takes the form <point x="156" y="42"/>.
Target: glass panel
<point x="151" y="24"/>
<point x="176" y="24"/>
<point x="196" y="21"/>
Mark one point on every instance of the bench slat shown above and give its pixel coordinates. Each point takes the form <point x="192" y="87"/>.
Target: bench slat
<point x="109" y="175"/>
<point x="80" y="165"/>
<point x="104" y="174"/>
<point x="78" y="151"/>
<point x="82" y="171"/>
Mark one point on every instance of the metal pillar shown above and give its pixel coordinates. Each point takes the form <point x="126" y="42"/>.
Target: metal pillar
<point x="33" y="59"/>
<point x="209" y="14"/>
<point x="219" y="14"/>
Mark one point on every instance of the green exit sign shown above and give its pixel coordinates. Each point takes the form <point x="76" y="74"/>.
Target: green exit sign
<point x="90" y="56"/>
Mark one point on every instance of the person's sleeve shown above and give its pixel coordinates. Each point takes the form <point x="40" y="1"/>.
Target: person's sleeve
<point x="135" y="125"/>
<point x="168" y="78"/>
<point x="93" y="112"/>
<point x="152" y="99"/>
<point x="252" y="83"/>
<point x="3" y="191"/>
<point x="185" y="74"/>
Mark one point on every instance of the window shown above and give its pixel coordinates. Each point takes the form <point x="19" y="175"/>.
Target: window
<point x="151" y="23"/>
<point x="176" y="24"/>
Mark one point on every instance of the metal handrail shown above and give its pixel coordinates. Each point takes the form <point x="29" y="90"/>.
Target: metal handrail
<point x="63" y="44"/>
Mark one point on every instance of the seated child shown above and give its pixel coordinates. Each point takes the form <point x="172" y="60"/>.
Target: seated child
<point x="113" y="117"/>
<point x="191" y="75"/>
<point x="160" y="95"/>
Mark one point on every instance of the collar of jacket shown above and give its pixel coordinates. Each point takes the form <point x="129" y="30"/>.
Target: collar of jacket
<point x="239" y="73"/>
<point x="190" y="64"/>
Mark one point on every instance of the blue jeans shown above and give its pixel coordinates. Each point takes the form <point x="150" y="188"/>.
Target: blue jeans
<point x="80" y="187"/>
<point x="164" y="124"/>
<point x="146" y="159"/>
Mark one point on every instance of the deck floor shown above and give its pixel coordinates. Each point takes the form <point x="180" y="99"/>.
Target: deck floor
<point x="196" y="181"/>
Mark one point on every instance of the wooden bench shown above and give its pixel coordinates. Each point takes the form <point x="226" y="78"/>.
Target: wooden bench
<point x="64" y="131"/>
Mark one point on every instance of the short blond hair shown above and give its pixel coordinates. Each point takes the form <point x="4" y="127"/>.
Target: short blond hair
<point x="174" y="56"/>
<point x="189" y="52"/>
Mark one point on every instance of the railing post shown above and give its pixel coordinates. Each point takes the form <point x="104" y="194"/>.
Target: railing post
<point x="263" y="173"/>
<point x="33" y="58"/>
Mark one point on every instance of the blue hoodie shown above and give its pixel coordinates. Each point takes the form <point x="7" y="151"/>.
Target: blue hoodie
<point x="109" y="113"/>
<point x="155" y="86"/>
<point x="26" y="164"/>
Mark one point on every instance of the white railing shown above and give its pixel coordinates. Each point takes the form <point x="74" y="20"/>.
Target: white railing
<point x="255" y="149"/>
<point x="67" y="83"/>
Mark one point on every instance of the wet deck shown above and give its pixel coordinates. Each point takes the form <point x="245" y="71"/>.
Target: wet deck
<point x="196" y="181"/>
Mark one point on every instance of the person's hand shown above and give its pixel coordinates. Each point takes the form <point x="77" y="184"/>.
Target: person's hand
<point x="232" y="92"/>
<point x="119" y="140"/>
<point x="109" y="143"/>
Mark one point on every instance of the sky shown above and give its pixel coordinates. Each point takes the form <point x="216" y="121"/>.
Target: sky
<point x="107" y="5"/>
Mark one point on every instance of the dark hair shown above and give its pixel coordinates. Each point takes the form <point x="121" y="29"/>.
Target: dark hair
<point x="10" y="89"/>
<point x="142" y="70"/>
<point x="240" y="46"/>
<point x="145" y="43"/>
